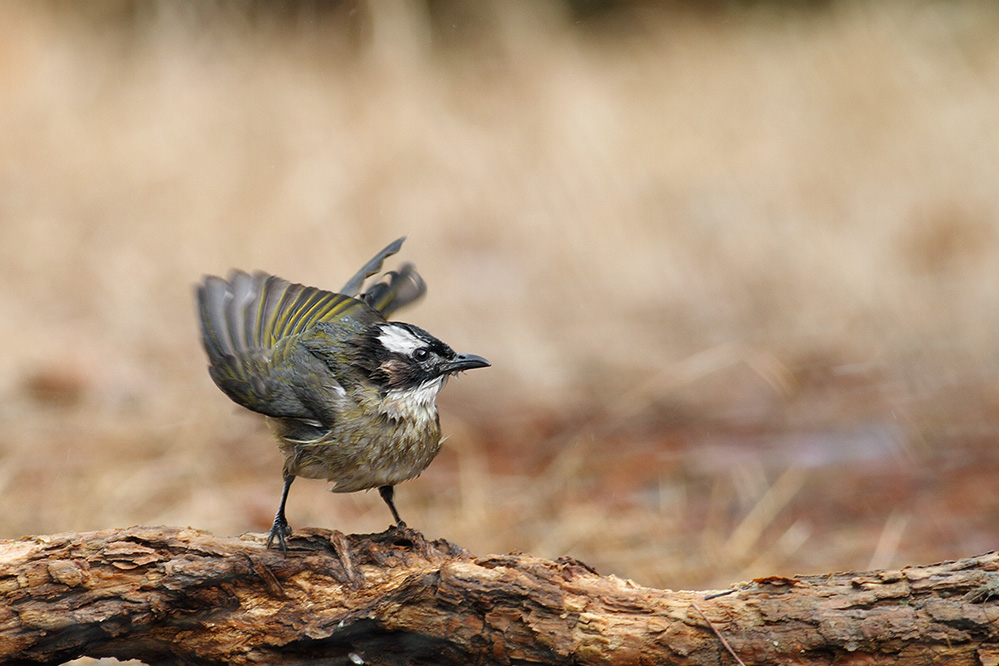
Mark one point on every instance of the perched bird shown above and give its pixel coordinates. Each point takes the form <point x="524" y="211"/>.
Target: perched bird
<point x="350" y="395"/>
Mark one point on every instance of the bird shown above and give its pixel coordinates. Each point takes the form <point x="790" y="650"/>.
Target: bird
<point x="349" y="395"/>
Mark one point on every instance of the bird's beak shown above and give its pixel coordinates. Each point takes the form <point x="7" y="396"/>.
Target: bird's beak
<point x="463" y="362"/>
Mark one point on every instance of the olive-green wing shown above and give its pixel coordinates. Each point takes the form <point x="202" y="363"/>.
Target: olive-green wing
<point x="253" y="312"/>
<point x="251" y="326"/>
<point x="356" y="284"/>
<point x="394" y="290"/>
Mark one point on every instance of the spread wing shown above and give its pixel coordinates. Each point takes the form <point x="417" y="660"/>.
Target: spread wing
<point x="394" y="290"/>
<point x="251" y="327"/>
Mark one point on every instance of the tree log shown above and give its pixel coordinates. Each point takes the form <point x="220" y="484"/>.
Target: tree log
<point x="170" y="595"/>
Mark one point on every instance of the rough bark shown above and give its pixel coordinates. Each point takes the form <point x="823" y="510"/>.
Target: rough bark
<point x="169" y="595"/>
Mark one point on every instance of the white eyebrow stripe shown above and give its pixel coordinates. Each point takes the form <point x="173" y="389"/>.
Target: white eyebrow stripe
<point x="399" y="340"/>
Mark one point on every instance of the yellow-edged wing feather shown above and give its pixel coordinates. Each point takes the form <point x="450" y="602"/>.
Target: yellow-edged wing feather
<point x="253" y="325"/>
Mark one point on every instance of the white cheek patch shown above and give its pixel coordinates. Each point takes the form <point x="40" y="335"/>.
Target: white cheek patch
<point x="399" y="340"/>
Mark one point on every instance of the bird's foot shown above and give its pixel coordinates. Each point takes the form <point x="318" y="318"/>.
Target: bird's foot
<point x="280" y="531"/>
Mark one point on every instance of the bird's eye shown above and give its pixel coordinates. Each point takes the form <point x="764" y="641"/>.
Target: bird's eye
<point x="421" y="354"/>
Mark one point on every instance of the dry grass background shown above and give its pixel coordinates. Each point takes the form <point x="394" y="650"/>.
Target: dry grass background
<point x="737" y="270"/>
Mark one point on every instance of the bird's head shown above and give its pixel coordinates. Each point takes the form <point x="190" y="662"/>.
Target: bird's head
<point x="406" y="360"/>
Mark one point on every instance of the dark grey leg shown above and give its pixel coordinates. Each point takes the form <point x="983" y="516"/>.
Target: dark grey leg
<point x="387" y="493"/>
<point x="280" y="530"/>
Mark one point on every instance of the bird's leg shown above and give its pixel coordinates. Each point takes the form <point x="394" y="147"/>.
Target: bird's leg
<point x="280" y="530"/>
<point x="387" y="493"/>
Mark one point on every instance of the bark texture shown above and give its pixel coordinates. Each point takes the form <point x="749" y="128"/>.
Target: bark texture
<point x="169" y="595"/>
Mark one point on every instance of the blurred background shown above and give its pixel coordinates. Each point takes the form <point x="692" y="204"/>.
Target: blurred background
<point x="736" y="265"/>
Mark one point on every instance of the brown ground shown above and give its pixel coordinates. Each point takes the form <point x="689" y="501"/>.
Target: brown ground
<point x="737" y="272"/>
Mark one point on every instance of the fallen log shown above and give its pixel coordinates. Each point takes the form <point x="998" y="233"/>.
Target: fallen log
<point x="171" y="595"/>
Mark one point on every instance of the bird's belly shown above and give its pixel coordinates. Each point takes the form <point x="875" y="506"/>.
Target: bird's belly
<point x="356" y="459"/>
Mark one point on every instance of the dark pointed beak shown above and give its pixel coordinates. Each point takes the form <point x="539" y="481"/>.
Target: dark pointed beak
<point x="464" y="362"/>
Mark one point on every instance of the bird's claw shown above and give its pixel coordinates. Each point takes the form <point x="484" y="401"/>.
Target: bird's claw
<point x="280" y="531"/>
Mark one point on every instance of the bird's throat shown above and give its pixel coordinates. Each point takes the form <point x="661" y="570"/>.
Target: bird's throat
<point x="417" y="403"/>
